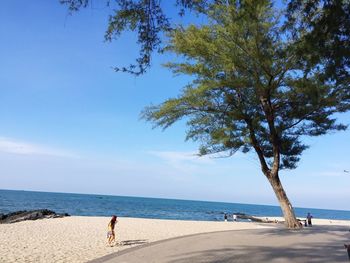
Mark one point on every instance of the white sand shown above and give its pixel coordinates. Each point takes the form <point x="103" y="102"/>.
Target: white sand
<point x="79" y="239"/>
<point x="315" y="221"/>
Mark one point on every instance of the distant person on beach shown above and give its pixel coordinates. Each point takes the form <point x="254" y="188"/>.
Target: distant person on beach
<point x="111" y="233"/>
<point x="234" y="216"/>
<point x="347" y="247"/>
<point x="308" y="218"/>
<point x="225" y="217"/>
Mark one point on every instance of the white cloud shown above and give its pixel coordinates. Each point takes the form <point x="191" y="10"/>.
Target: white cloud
<point x="9" y="145"/>
<point x="192" y="157"/>
<point x="182" y="157"/>
<point x="182" y="166"/>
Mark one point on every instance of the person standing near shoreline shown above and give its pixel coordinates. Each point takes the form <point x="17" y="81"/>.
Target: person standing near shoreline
<point x="111" y="233"/>
<point x="225" y="217"/>
<point x="234" y="217"/>
<point x="308" y="218"/>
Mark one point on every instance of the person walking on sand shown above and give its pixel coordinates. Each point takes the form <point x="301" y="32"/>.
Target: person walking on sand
<point x="111" y="233"/>
<point x="308" y="217"/>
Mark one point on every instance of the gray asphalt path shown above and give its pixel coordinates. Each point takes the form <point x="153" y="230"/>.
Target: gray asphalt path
<point x="314" y="244"/>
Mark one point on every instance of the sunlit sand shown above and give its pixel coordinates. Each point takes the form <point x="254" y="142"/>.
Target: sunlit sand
<point x="80" y="239"/>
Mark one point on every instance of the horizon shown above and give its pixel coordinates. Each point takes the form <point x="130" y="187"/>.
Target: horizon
<point x="71" y="124"/>
<point x="169" y="198"/>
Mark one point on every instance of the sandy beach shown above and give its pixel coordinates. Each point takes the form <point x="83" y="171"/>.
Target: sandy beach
<point x="80" y="239"/>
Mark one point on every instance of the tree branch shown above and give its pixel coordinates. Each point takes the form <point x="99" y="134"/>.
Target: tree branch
<point x="264" y="167"/>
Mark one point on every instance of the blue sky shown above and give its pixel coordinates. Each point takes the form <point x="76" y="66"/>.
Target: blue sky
<point x="68" y="123"/>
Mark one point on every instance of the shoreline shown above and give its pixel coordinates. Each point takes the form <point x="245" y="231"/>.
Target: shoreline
<point x="143" y="207"/>
<point x="83" y="238"/>
<point x="175" y="199"/>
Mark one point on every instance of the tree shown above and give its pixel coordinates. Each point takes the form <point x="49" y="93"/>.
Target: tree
<point x="146" y="17"/>
<point x="250" y="90"/>
<point x="260" y="84"/>
<point x="325" y="25"/>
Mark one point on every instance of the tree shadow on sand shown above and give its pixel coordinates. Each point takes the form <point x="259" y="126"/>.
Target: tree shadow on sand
<point x="133" y="242"/>
<point x="325" y="253"/>
<point x="313" y="244"/>
<point x="335" y="230"/>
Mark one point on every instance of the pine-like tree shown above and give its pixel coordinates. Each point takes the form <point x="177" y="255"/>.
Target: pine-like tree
<point x="250" y="90"/>
<point x="261" y="81"/>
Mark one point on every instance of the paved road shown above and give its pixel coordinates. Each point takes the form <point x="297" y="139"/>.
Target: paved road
<point x="316" y="244"/>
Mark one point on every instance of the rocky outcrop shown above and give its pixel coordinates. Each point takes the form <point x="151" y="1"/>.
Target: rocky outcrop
<point x="29" y="215"/>
<point x="254" y="219"/>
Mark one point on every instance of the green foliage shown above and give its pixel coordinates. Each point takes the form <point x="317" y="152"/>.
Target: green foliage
<point x="75" y="5"/>
<point x="146" y="17"/>
<point x="324" y="27"/>
<point x="250" y="89"/>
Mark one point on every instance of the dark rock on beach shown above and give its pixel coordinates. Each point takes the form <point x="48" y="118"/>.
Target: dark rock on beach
<point x="29" y="215"/>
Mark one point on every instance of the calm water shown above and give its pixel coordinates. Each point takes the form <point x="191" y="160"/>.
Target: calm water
<point x="102" y="205"/>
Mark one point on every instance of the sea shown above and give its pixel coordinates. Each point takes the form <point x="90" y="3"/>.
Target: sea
<point x="141" y="207"/>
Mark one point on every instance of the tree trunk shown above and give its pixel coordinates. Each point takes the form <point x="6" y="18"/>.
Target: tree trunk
<point x="287" y="209"/>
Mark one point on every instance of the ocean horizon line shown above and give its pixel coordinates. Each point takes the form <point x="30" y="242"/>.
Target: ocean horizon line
<point x="171" y="199"/>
